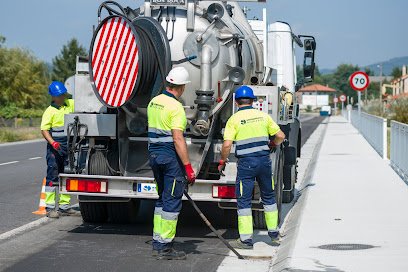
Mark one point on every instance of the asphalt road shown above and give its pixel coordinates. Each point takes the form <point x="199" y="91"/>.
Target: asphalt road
<point x="22" y="168"/>
<point x="68" y="244"/>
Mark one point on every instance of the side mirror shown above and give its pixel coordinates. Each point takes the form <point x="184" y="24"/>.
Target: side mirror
<point x="308" y="66"/>
<point x="310" y="44"/>
<point x="309" y="58"/>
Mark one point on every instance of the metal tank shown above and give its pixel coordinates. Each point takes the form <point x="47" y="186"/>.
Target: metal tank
<point x="133" y="49"/>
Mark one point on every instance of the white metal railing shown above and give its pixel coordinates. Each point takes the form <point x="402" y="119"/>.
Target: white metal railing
<point x="374" y="129"/>
<point x="399" y="149"/>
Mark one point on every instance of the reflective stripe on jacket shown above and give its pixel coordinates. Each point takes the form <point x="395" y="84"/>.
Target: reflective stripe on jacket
<point x="164" y="113"/>
<point x="250" y="129"/>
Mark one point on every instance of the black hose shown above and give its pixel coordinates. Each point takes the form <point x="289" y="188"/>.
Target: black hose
<point x="150" y="66"/>
<point x="110" y="10"/>
<point x="208" y="223"/>
<point x="151" y="63"/>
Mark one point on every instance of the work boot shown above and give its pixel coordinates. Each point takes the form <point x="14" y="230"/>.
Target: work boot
<point x="171" y="254"/>
<point x="274" y="238"/>
<point x="241" y="245"/>
<point x="69" y="211"/>
<point x="53" y="214"/>
<point x="155" y="253"/>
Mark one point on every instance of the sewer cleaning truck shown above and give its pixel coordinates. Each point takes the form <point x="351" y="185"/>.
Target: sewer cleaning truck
<point x="131" y="52"/>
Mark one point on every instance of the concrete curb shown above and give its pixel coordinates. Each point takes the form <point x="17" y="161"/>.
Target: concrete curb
<point x="290" y="226"/>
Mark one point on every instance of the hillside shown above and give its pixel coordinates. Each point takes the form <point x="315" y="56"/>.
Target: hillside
<point x="387" y="66"/>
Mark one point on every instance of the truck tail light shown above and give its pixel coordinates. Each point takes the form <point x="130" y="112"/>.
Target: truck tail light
<point x="223" y="191"/>
<point x="87" y="186"/>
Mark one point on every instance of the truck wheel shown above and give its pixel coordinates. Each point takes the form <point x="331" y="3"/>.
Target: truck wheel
<point x="259" y="219"/>
<point x="289" y="177"/>
<point x="93" y="212"/>
<point x="98" y="164"/>
<point x="231" y="218"/>
<point x="123" y="212"/>
<point x="278" y="177"/>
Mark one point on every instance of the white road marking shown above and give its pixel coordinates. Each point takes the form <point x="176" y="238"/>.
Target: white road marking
<point x="23" y="228"/>
<point x="11" y="162"/>
<point x="34" y="158"/>
<point x="22" y="142"/>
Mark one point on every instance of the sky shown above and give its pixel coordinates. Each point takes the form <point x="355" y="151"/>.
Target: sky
<point x="347" y="31"/>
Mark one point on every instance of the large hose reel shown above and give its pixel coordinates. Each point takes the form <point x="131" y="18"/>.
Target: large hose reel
<point x="128" y="60"/>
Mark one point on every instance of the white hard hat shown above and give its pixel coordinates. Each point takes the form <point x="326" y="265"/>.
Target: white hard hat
<point x="178" y="76"/>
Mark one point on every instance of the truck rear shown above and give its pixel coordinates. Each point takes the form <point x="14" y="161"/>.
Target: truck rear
<point x="132" y="51"/>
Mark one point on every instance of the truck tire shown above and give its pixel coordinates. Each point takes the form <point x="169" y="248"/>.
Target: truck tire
<point x="93" y="212"/>
<point x="259" y="219"/>
<point x="259" y="216"/>
<point x="98" y="164"/>
<point x="289" y="174"/>
<point x="289" y="177"/>
<point x="123" y="212"/>
<point x="279" y="184"/>
<point x="231" y="218"/>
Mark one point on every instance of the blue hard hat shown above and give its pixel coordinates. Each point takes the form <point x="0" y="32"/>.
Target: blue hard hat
<point x="244" y="92"/>
<point x="57" y="88"/>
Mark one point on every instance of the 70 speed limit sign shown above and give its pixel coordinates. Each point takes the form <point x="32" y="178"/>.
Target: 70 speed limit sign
<point x="359" y="81"/>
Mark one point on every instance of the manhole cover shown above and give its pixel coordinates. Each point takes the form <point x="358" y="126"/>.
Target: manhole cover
<point x="345" y="246"/>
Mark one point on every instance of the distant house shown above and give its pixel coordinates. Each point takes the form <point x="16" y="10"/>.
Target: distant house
<point x="400" y="85"/>
<point x="314" y="95"/>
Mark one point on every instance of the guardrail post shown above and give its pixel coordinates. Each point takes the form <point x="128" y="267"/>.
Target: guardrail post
<point x="385" y="138"/>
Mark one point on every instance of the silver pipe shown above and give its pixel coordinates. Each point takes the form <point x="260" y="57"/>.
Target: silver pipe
<point x="205" y="69"/>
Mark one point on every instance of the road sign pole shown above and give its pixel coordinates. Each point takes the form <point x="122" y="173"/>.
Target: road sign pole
<point x="359" y="104"/>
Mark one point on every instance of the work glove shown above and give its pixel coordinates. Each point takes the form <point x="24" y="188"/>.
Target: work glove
<point x="56" y="145"/>
<point x="190" y="174"/>
<point x="221" y="167"/>
<point x="272" y="146"/>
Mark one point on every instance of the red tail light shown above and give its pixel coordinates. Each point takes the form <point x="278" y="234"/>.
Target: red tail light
<point x="87" y="186"/>
<point x="223" y="191"/>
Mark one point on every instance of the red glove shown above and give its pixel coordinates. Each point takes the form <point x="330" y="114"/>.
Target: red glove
<point x="56" y="145"/>
<point x="221" y="166"/>
<point x="272" y="146"/>
<point x="190" y="173"/>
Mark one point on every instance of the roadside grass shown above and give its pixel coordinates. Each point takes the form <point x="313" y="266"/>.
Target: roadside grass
<point x="19" y="134"/>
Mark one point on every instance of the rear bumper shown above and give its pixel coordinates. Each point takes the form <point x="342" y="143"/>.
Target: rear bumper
<point x="128" y="187"/>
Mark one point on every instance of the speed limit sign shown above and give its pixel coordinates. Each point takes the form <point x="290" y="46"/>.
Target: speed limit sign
<point x="359" y="81"/>
<point x="343" y="98"/>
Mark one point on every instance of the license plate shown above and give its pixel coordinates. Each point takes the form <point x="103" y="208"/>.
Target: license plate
<point x="168" y="2"/>
<point x="146" y="188"/>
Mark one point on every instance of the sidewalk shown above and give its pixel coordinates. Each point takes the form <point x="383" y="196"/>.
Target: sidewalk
<point x="354" y="197"/>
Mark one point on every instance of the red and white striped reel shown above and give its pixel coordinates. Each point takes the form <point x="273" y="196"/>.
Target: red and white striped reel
<point x="114" y="61"/>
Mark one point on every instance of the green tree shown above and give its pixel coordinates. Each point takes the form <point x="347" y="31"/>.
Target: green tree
<point x="340" y="80"/>
<point x="2" y="40"/>
<point x="369" y="71"/>
<point x="23" y="79"/>
<point x="396" y="72"/>
<point x="64" y="64"/>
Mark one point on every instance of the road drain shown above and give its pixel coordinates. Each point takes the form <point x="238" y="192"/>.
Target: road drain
<point x="345" y="246"/>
